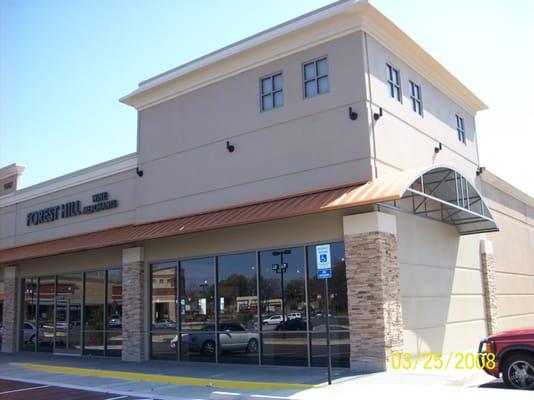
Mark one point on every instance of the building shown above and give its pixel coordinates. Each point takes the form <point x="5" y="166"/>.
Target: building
<point x="333" y="128"/>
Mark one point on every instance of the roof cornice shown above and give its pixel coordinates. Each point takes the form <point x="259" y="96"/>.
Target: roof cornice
<point x="79" y="177"/>
<point x="499" y="183"/>
<point x="312" y="29"/>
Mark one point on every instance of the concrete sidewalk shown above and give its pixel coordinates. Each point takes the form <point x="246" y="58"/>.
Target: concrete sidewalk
<point x="170" y="380"/>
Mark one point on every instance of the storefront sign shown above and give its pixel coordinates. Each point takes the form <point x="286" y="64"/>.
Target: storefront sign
<point x="324" y="267"/>
<point x="101" y="202"/>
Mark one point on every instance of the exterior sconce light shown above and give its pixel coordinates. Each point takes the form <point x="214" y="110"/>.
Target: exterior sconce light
<point x="480" y="170"/>
<point x="378" y="115"/>
<point x="139" y="172"/>
<point x="438" y="148"/>
<point x="353" y="115"/>
<point x="230" y="147"/>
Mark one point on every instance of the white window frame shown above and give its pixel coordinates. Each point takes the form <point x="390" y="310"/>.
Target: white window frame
<point x="272" y="92"/>
<point x="316" y="77"/>
<point x="460" y="128"/>
<point x="417" y="97"/>
<point x="391" y="71"/>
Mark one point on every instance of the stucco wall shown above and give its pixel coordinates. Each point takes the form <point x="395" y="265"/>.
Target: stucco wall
<point x="14" y="231"/>
<point x="306" y="144"/>
<point x="514" y="256"/>
<point x="403" y="139"/>
<point x="441" y="286"/>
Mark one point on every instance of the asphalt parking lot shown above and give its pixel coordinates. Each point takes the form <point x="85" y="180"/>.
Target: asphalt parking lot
<point x="17" y="390"/>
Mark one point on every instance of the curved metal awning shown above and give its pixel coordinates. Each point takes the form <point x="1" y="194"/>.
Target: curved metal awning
<point x="444" y="194"/>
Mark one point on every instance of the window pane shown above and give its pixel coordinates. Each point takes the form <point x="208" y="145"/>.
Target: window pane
<point x="266" y="85"/>
<point x="267" y="102"/>
<point x="29" y="329"/>
<point x="283" y="303"/>
<point x="45" y="314"/>
<point x="164" y="345"/>
<point x="396" y="78"/>
<point x="284" y="348"/>
<point x="323" y="84"/>
<point x="1" y="308"/>
<point x="278" y="82"/>
<point x="337" y="288"/>
<point x="197" y="309"/>
<point x="238" y="308"/>
<point x="309" y="71"/>
<point x="94" y="312"/>
<point x="396" y="91"/>
<point x="310" y="89"/>
<point x="278" y="99"/>
<point x="114" y="313"/>
<point x="322" y="67"/>
<point x="389" y="72"/>
<point x="68" y="313"/>
<point x="163" y="290"/>
<point x="340" y="347"/>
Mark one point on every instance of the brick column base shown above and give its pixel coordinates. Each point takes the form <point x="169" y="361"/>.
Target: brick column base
<point x="487" y="263"/>
<point x="373" y="288"/>
<point x="133" y="304"/>
<point x="9" y="317"/>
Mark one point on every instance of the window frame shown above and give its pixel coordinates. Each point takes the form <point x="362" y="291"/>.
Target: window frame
<point x="460" y="128"/>
<point x="394" y="85"/>
<point x="416" y="101"/>
<point x="272" y="92"/>
<point x="316" y="77"/>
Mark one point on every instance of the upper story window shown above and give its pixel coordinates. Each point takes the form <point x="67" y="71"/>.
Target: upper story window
<point x="272" y="92"/>
<point x="316" y="77"/>
<point x="415" y="96"/>
<point x="460" y="128"/>
<point x="394" y="82"/>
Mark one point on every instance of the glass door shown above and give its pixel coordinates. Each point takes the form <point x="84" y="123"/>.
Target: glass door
<point x="68" y="302"/>
<point x="45" y="314"/>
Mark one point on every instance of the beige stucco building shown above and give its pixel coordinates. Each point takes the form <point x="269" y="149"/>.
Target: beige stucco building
<point x="334" y="128"/>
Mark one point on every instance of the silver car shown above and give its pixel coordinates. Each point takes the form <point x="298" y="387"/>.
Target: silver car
<point x="235" y="337"/>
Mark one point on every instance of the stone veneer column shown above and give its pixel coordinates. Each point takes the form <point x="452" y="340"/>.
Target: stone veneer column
<point x="373" y="290"/>
<point x="487" y="262"/>
<point x="9" y="318"/>
<point x="133" y="304"/>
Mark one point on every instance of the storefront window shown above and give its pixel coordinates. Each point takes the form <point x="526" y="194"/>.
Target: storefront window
<point x="197" y="310"/>
<point x="164" y="313"/>
<point x="238" y="308"/>
<point x="285" y="324"/>
<point x="1" y="310"/>
<point x="95" y="292"/>
<point x="45" y="314"/>
<point x="68" y="313"/>
<point x="29" y="318"/>
<point x="114" y="312"/>
<point x="338" y="309"/>
<point x="283" y="307"/>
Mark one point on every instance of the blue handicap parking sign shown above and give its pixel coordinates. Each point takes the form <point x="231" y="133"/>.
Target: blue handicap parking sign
<point x="324" y="267"/>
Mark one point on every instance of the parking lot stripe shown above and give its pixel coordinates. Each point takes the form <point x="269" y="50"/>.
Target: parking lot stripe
<point x="25" y="389"/>
<point x="173" y="380"/>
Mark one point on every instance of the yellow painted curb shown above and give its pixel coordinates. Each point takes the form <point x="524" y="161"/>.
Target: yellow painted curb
<point x="174" y="380"/>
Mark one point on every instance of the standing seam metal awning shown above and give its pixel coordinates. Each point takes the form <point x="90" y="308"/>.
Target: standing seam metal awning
<point x="438" y="192"/>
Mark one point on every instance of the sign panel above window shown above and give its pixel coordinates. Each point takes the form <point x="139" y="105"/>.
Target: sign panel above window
<point x="74" y="208"/>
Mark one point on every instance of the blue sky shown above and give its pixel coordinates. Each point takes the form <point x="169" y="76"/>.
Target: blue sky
<point x="65" y="63"/>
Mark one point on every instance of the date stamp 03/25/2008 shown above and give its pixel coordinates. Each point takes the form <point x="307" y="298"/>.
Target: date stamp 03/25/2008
<point x="440" y="361"/>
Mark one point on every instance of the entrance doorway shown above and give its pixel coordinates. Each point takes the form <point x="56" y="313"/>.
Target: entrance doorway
<point x="68" y="312"/>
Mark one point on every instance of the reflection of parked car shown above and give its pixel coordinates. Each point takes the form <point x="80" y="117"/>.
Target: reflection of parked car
<point x="29" y="333"/>
<point x="234" y="338"/>
<point x="292" y="325"/>
<point x="514" y="357"/>
<point x="164" y="324"/>
<point x="294" y="315"/>
<point x="273" y="320"/>
<point x="115" y="321"/>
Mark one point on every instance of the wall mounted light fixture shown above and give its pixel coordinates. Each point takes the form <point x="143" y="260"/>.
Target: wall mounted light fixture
<point x="230" y="147"/>
<point x="353" y="115"/>
<point x="378" y="115"/>
<point x="438" y="148"/>
<point x="139" y="172"/>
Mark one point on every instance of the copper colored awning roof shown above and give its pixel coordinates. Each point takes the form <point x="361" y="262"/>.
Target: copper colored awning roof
<point x="385" y="190"/>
